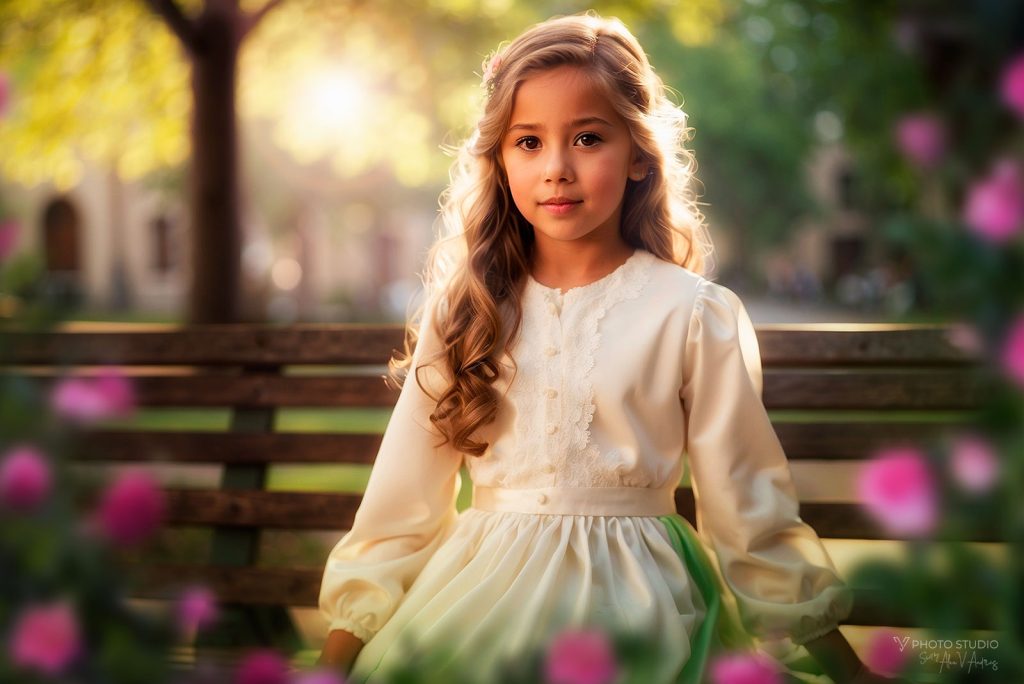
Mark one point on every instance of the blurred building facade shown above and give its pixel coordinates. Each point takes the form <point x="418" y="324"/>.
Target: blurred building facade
<point x="122" y="249"/>
<point x="340" y="251"/>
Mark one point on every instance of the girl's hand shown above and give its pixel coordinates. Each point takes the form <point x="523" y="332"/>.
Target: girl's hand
<point x="340" y="651"/>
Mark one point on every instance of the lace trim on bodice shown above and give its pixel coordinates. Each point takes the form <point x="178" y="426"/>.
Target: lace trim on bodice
<point x="553" y="390"/>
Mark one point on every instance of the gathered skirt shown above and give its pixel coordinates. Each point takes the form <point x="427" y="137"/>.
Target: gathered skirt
<point x="503" y="585"/>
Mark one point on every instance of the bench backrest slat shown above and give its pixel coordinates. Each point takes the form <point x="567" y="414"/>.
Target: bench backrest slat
<point x="342" y="344"/>
<point x="818" y="441"/>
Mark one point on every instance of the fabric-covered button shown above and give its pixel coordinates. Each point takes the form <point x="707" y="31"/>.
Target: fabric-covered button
<point x="552" y="428"/>
<point x="551" y="393"/>
<point x="549" y="467"/>
<point x="551" y="351"/>
<point x="552" y="309"/>
<point x="542" y="498"/>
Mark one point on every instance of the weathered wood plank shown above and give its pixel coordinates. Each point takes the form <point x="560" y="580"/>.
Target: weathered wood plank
<point x="303" y="510"/>
<point x="850" y="441"/>
<point x="254" y="508"/>
<point x="227" y="345"/>
<point x="877" y="344"/>
<point x="787" y="388"/>
<point x="831" y="520"/>
<point x="250" y="585"/>
<point x="259" y="391"/>
<point x="329" y="344"/>
<point x="820" y="441"/>
<point x="228" y="448"/>
<point x="870" y="388"/>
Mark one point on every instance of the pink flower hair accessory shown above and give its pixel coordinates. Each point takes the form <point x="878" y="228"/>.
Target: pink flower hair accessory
<point x="491" y="65"/>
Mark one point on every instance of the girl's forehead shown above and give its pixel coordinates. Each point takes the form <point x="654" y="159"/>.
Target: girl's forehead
<point x="561" y="78"/>
<point x="560" y="95"/>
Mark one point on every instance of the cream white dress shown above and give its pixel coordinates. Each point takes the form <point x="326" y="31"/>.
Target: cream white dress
<point x="618" y="381"/>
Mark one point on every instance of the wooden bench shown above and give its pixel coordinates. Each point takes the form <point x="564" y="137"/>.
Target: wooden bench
<point x="819" y="382"/>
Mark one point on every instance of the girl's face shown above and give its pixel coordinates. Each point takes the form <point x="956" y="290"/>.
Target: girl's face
<point x="567" y="154"/>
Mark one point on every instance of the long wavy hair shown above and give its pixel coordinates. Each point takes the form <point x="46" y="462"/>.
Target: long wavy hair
<point x="476" y="269"/>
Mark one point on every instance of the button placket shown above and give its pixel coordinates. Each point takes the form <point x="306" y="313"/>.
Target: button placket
<point x="553" y="381"/>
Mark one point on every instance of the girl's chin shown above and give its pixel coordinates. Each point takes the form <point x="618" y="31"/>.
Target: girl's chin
<point x="556" y="235"/>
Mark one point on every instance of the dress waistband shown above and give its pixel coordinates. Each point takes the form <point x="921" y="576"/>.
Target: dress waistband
<point x="600" y="501"/>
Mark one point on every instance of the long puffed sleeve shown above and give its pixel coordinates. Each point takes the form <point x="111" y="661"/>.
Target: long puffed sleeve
<point x="783" y="579"/>
<point x="407" y="510"/>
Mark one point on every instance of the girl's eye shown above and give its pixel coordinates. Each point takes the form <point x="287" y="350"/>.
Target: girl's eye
<point x="588" y="139"/>
<point x="528" y="142"/>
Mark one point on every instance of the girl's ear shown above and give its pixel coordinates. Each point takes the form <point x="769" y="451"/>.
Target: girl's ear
<point x="639" y="170"/>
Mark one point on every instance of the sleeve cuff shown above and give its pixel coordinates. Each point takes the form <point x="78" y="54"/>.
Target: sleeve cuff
<point x="799" y="622"/>
<point x="812" y="627"/>
<point x="814" y="634"/>
<point x="352" y="626"/>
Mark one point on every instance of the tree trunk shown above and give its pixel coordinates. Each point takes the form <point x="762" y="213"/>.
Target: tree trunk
<point x="214" y="295"/>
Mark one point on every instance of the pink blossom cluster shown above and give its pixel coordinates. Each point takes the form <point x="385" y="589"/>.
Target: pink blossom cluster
<point x="745" y="668"/>
<point x="264" y="666"/>
<point x="89" y="399"/>
<point x="25" y="478"/>
<point x="1012" y="85"/>
<point x="1009" y="354"/>
<point x="994" y="208"/>
<point x="899" y="486"/>
<point x="581" y="657"/>
<point x="921" y="138"/>
<point x="46" y="636"/>
<point x="994" y="204"/>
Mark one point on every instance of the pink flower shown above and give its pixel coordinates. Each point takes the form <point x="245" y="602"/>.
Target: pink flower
<point x="745" y="668"/>
<point x="966" y="338"/>
<point x="5" y="92"/>
<point x="25" y="478"/>
<point x="85" y="400"/>
<point x="45" y="638"/>
<point x="196" y="608"/>
<point x="580" y="657"/>
<point x="975" y="465"/>
<point x="995" y="205"/>
<point x="898" y="489"/>
<point x="921" y="138"/>
<point x="9" y="230"/>
<point x="117" y="390"/>
<point x="1012" y="355"/>
<point x="1012" y="84"/>
<point x="319" y="677"/>
<point x="132" y="508"/>
<point x="884" y="654"/>
<point x="491" y="66"/>
<point x="262" y="667"/>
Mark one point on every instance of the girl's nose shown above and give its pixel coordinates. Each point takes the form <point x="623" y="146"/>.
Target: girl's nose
<point x="558" y="167"/>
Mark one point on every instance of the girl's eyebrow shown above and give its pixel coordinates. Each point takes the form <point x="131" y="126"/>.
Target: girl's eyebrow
<point x="585" y="121"/>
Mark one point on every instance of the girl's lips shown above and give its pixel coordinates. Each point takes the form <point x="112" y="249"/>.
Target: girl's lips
<point x="561" y="207"/>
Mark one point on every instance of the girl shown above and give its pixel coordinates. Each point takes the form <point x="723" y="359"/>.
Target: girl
<point x="570" y="351"/>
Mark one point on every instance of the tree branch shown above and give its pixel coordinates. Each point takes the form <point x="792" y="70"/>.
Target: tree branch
<point x="253" y="20"/>
<point x="180" y="25"/>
